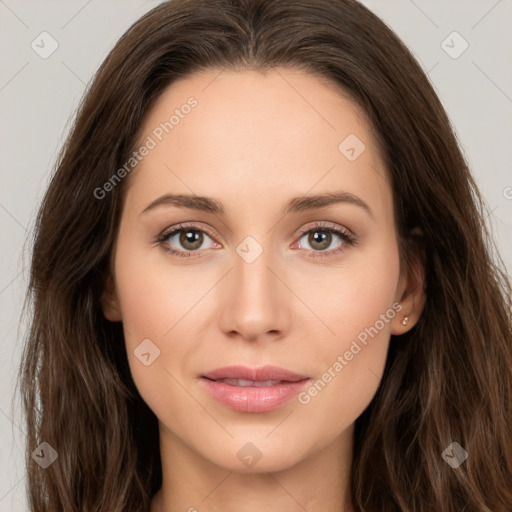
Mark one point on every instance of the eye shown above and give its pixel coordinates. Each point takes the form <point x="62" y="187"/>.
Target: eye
<point x="322" y="236"/>
<point x="184" y="240"/>
<point x="187" y="240"/>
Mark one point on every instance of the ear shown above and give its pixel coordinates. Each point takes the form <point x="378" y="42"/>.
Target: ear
<point x="110" y="301"/>
<point x="411" y="286"/>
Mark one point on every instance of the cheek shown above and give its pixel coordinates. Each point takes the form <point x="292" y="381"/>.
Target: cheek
<point x="358" y="307"/>
<point x="152" y="318"/>
<point x="352" y="297"/>
<point x="163" y="313"/>
<point x="154" y="297"/>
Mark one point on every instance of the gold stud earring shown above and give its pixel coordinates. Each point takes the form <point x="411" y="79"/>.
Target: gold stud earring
<point x="405" y="320"/>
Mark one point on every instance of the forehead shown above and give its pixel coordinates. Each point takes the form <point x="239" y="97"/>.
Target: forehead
<point x="280" y="130"/>
<point x="277" y="102"/>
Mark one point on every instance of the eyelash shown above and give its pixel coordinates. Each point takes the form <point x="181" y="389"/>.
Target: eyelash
<point x="346" y="236"/>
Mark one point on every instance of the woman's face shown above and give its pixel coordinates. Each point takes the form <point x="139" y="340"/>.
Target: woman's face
<point x="287" y="257"/>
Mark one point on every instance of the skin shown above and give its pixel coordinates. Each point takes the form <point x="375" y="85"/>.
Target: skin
<point x="253" y="142"/>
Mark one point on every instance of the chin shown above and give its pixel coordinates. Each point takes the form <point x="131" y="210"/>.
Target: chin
<point x="256" y="457"/>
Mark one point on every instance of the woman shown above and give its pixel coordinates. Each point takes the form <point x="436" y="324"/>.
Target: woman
<point x="261" y="279"/>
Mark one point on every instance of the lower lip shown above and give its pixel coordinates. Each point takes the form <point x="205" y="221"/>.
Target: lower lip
<point x="252" y="398"/>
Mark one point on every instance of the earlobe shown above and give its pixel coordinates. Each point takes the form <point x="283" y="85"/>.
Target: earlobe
<point x="110" y="301"/>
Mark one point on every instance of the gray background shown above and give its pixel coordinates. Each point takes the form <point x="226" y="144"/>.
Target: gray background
<point x="38" y="98"/>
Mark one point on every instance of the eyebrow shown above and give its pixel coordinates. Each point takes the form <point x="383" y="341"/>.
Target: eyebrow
<point x="296" y="204"/>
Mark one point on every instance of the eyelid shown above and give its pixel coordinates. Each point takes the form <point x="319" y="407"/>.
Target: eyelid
<point x="326" y="225"/>
<point x="185" y="225"/>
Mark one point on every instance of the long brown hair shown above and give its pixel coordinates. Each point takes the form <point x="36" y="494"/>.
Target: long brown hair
<point x="448" y="380"/>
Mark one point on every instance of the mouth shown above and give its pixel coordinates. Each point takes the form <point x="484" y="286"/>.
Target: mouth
<point x="253" y="390"/>
<point x="246" y="383"/>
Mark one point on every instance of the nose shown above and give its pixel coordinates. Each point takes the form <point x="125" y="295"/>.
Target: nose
<point x="255" y="304"/>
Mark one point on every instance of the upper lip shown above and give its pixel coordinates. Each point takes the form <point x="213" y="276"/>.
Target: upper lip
<point x="263" y="373"/>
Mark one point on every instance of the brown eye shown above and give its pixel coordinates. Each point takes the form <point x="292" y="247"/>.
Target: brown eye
<point x="319" y="240"/>
<point x="183" y="241"/>
<point x="191" y="239"/>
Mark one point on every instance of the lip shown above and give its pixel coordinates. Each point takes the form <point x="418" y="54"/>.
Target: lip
<point x="251" y="398"/>
<point x="257" y="374"/>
